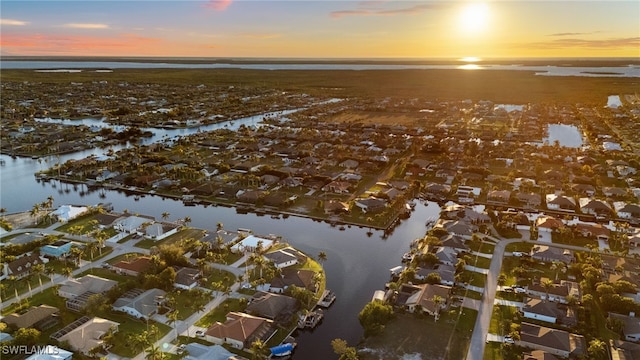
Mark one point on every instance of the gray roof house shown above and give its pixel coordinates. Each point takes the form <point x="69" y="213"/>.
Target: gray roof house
<point x="556" y="342"/>
<point x="140" y="304"/>
<point x="631" y="329"/>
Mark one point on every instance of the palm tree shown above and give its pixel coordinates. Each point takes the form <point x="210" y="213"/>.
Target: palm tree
<point x="49" y="201"/>
<point x="67" y="272"/>
<point x="187" y="220"/>
<point x="322" y="257"/>
<point x="38" y="269"/>
<point x="547" y="285"/>
<point x="219" y="226"/>
<point x="165" y="215"/>
<point x="437" y="301"/>
<point x="258" y="349"/>
<point x="35" y="210"/>
<point x="173" y="319"/>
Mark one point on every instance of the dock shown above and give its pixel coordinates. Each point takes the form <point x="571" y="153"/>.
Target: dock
<point x="327" y="299"/>
<point x="310" y="320"/>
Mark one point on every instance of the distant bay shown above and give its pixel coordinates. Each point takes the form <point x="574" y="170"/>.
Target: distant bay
<point x="631" y="71"/>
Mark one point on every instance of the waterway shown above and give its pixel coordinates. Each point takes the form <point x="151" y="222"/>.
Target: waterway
<point x="77" y="66"/>
<point x="358" y="259"/>
<point x="566" y="135"/>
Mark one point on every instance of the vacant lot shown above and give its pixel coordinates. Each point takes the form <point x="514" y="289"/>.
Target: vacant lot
<point x="408" y="334"/>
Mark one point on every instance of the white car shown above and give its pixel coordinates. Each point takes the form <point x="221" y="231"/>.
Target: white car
<point x="200" y="333"/>
<point x="509" y="340"/>
<point x="517" y="254"/>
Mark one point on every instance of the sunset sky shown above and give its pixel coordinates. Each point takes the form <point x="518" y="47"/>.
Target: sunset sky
<point x="321" y="29"/>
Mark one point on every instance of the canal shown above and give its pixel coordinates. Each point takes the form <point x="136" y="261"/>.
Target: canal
<point x="358" y="260"/>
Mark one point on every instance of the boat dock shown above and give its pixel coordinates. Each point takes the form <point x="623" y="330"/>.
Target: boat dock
<point x="327" y="299"/>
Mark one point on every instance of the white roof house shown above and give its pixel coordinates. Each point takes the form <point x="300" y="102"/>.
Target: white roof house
<point x="51" y="352"/>
<point x="250" y="243"/>
<point x="69" y="212"/>
<point x="130" y="224"/>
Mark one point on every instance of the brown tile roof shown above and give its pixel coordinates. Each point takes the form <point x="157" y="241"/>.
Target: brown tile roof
<point x="24" y="264"/>
<point x="138" y="265"/>
<point x="238" y="326"/>
<point x="31" y="317"/>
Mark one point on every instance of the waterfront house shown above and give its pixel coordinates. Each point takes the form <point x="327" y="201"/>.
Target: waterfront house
<point x="240" y="330"/>
<point x="556" y="342"/>
<point x="438" y="189"/>
<point x="446" y="273"/>
<point x="422" y="297"/>
<point x="371" y="205"/>
<point x="251" y="243"/>
<point x="300" y="278"/>
<point x="85" y="334"/>
<point x="334" y="207"/>
<point x="279" y="308"/>
<point x="284" y="257"/>
<point x="159" y="231"/>
<point x="447" y="255"/>
<point x="131" y="224"/>
<point x="41" y="317"/>
<point x="631" y="326"/>
<point x="65" y="213"/>
<point x="140" y="304"/>
<point x="198" y="351"/>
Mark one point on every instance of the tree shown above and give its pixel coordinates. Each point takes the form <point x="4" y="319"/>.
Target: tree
<point x="322" y="257"/>
<point x="433" y="278"/>
<point x="304" y="296"/>
<point x="437" y="301"/>
<point x="38" y="270"/>
<point x="341" y="348"/>
<point x="26" y="336"/>
<point x="374" y="316"/>
<point x="173" y="319"/>
<point x="597" y="349"/>
<point x="165" y="215"/>
<point x="258" y="350"/>
<point x="187" y="221"/>
<point x="95" y="303"/>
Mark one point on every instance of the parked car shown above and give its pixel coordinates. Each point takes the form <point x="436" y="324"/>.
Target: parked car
<point x="509" y="340"/>
<point x="200" y="333"/>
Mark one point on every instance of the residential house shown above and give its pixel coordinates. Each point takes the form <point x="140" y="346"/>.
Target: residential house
<point x="548" y="224"/>
<point x="159" y="231"/>
<point x="498" y="197"/>
<point x="51" y="352"/>
<point x="624" y="350"/>
<point x="461" y="228"/>
<point x="41" y="317"/>
<point x="284" y="257"/>
<point x="614" y="192"/>
<point x="197" y="351"/>
<point x="371" y="205"/>
<point x="337" y="187"/>
<point x="627" y="211"/>
<point x="65" y="213"/>
<point x="447" y="255"/>
<point x="455" y="242"/>
<point x="421" y="297"/>
<point x="251" y="244"/>
<point x="556" y="342"/>
<point x="597" y="231"/>
<point x="140" y="304"/>
<point x="438" y="189"/>
<point x="550" y="254"/>
<point x="21" y="267"/>
<point x="631" y="328"/>
<point x="595" y="207"/>
<point x="560" y="203"/>
<point x="530" y="200"/>
<point x="131" y="224"/>
<point x="240" y="330"/>
<point x="446" y="273"/>
<point x="349" y="164"/>
<point x="186" y="278"/>
<point x="558" y="292"/>
<point x="133" y="267"/>
<point x="85" y="334"/>
<point x="58" y="249"/>
<point x="584" y="189"/>
<point x="279" y="308"/>
<point x="226" y="237"/>
<point x="333" y="207"/>
<point x="551" y="312"/>
<point x="300" y="278"/>
<point x="77" y="291"/>
<point x="538" y="355"/>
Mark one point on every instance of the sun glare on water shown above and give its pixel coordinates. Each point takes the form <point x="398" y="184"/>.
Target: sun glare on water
<point x="474" y="17"/>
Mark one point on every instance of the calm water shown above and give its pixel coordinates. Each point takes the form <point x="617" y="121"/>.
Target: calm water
<point x="357" y="264"/>
<point x="567" y="135"/>
<point x="626" y="71"/>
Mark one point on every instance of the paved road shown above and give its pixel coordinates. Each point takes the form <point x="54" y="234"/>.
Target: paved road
<point x="481" y="329"/>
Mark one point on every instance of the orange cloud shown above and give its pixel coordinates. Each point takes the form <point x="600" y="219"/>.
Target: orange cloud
<point x="585" y="43"/>
<point x="86" y="26"/>
<point x="12" y="22"/>
<point x="378" y="12"/>
<point x="218" y="5"/>
<point x="78" y="45"/>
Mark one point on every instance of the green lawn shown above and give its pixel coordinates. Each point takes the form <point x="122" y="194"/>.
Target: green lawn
<point x="188" y="233"/>
<point x="97" y="254"/>
<point x="220" y="312"/>
<point x="84" y="224"/>
<point x="448" y="338"/>
<point x="500" y="314"/>
<point x="519" y="246"/>
<point x="460" y="291"/>
<point x="473" y="278"/>
<point x="481" y="262"/>
<point x="482" y="247"/>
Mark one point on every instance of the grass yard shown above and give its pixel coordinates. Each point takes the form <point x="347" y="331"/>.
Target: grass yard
<point x="220" y="312"/>
<point x="481" y="262"/>
<point x="519" y="246"/>
<point x="481" y="247"/>
<point x="448" y="338"/>
<point x="84" y="225"/>
<point x="187" y="233"/>
<point x="473" y="278"/>
<point x="500" y="314"/>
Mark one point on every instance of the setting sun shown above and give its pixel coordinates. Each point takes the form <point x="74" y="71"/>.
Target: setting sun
<point x="474" y="17"/>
